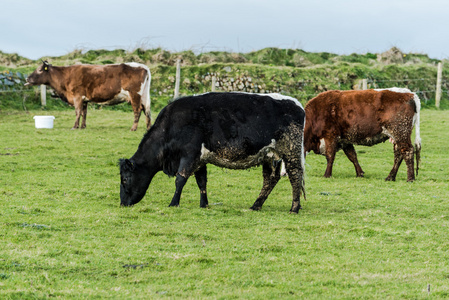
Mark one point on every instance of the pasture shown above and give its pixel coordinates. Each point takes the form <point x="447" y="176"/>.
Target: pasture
<point x="64" y="235"/>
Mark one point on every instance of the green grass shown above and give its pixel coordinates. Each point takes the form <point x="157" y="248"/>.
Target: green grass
<point x="63" y="234"/>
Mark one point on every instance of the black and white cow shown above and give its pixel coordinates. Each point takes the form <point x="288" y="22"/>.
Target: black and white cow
<point x="230" y="130"/>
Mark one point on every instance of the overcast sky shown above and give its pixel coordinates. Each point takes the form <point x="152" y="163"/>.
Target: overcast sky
<point x="36" y="29"/>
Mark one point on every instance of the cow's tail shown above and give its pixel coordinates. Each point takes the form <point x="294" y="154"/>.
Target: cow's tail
<point x="146" y="101"/>
<point x="303" y="169"/>
<point x="417" y="131"/>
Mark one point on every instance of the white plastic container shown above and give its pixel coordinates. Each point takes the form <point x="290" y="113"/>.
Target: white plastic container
<point x="43" y="121"/>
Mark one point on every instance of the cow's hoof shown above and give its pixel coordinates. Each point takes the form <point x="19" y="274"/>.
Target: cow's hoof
<point x="389" y="178"/>
<point x="295" y="211"/>
<point x="255" y="208"/>
<point x="295" y="208"/>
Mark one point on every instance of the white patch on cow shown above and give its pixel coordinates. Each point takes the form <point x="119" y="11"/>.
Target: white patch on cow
<point x="395" y="89"/>
<point x="387" y="133"/>
<point x="136" y="65"/>
<point x="322" y="147"/>
<point x="123" y="95"/>
<point x="275" y="96"/>
<point x="283" y="170"/>
<point x="144" y="87"/>
<point x="416" y="121"/>
<point x="268" y="151"/>
<point x="204" y="152"/>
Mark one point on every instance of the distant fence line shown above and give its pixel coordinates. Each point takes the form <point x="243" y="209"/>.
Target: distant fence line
<point x="9" y="82"/>
<point x="374" y="83"/>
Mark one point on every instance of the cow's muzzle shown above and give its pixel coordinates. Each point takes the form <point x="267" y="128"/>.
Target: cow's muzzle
<point x="122" y="204"/>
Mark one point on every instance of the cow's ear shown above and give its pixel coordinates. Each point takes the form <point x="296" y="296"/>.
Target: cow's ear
<point x="126" y="165"/>
<point x="131" y="164"/>
<point x="46" y="65"/>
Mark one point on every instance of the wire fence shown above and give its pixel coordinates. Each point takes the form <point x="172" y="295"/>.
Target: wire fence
<point x="426" y="88"/>
<point x="426" y="94"/>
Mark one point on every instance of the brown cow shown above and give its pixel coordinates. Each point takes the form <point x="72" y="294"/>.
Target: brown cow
<point x="109" y="85"/>
<point x="340" y="119"/>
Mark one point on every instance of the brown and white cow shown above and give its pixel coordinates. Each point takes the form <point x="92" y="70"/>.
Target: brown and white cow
<point x="108" y="85"/>
<point x="340" y="119"/>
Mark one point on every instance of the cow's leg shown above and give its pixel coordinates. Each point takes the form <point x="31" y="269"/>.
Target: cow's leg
<point x="271" y="176"/>
<point x="84" y="115"/>
<point x="137" y="109"/>
<point x="352" y="155"/>
<point x="148" y="116"/>
<point x="201" y="180"/>
<point x="402" y="151"/>
<point x="180" y="182"/>
<point x="295" y="173"/>
<point x="407" y="153"/>
<point x="187" y="167"/>
<point x="397" y="162"/>
<point x="78" y="103"/>
<point x="331" y="150"/>
<point x="147" y="113"/>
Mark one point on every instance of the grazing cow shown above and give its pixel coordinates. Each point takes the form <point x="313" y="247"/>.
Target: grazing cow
<point x="230" y="130"/>
<point x="340" y="119"/>
<point x="109" y="85"/>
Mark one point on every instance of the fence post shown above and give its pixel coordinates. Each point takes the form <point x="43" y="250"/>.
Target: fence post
<point x="214" y="81"/>
<point x="43" y="95"/>
<point x="438" y="93"/>
<point x="178" y="78"/>
<point x="365" y="84"/>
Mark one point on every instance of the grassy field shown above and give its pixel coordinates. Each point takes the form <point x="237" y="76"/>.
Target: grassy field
<point x="64" y="235"/>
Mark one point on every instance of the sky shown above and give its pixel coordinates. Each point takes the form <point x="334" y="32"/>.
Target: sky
<point x="38" y="29"/>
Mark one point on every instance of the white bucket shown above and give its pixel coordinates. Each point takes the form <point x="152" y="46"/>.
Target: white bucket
<point x="43" y="121"/>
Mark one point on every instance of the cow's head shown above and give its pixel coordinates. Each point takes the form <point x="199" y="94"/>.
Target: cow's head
<point x="41" y="75"/>
<point x="313" y="134"/>
<point x="314" y="144"/>
<point x="134" y="182"/>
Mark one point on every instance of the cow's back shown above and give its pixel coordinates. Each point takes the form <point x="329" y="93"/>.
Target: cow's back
<point x="340" y="119"/>
<point x="250" y="120"/>
<point x="363" y="111"/>
<point x="233" y="126"/>
<point x="97" y="82"/>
